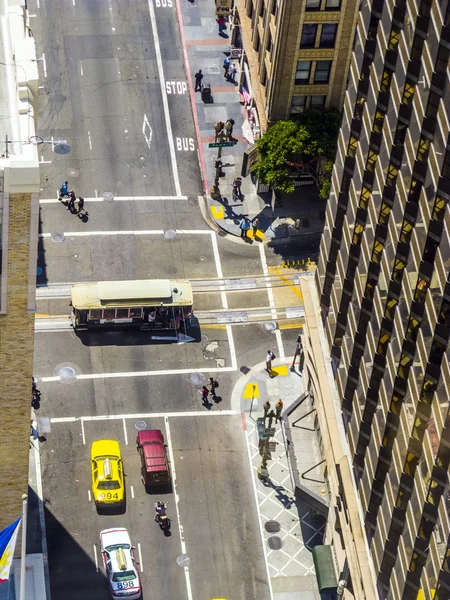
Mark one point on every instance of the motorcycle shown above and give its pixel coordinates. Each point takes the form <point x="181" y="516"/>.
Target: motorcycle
<point x="161" y="518"/>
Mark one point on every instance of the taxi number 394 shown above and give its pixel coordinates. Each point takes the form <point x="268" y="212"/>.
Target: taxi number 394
<point x="110" y="496"/>
<point x="124" y="585"/>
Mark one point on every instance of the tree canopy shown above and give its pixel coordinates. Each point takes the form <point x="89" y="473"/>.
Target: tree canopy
<point x="314" y="133"/>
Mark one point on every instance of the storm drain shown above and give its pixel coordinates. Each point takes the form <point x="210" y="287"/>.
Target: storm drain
<point x="193" y="201"/>
<point x="67" y="373"/>
<point x="183" y="560"/>
<point x="275" y="542"/>
<point x="170" y="234"/>
<point x="108" y="196"/>
<point x="272" y="526"/>
<point x="197" y="378"/>
<point x="57" y="237"/>
<point x="140" y="425"/>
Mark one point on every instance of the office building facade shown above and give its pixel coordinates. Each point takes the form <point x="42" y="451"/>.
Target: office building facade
<point x="297" y="53"/>
<point x="384" y="284"/>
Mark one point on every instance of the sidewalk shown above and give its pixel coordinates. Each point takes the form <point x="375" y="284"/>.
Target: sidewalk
<point x="290" y="525"/>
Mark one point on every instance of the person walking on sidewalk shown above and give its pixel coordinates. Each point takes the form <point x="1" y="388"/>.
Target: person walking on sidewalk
<point x="213" y="385"/>
<point x="205" y="393"/>
<point x="229" y="129"/>
<point x="244" y="226"/>
<point x="255" y="224"/>
<point x="233" y="73"/>
<point x="269" y="358"/>
<point x="222" y="23"/>
<point x="226" y="66"/>
<point x="237" y="188"/>
<point x="71" y="203"/>
<point x="278" y="410"/>
<point x="198" y="81"/>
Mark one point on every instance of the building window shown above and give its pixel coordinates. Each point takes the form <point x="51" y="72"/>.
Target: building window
<point x="333" y="5"/>
<point x="262" y="8"/>
<point x="386" y="80"/>
<point x="328" y="36"/>
<point x="303" y="72"/>
<point x="322" y="74"/>
<point x="298" y="104"/>
<point x="269" y="43"/>
<point x="318" y="101"/>
<point x="274" y="8"/>
<point x="309" y="33"/>
<point x="394" y="38"/>
<point x="313" y="4"/>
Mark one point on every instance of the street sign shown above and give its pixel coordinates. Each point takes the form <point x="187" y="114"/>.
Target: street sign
<point x="224" y="7"/>
<point x="269" y="432"/>
<point x="221" y="144"/>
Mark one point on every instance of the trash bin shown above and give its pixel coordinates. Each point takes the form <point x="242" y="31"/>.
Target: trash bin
<point x="206" y="94"/>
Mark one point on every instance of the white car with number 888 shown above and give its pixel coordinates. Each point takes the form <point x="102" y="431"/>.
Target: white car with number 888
<point x="120" y="563"/>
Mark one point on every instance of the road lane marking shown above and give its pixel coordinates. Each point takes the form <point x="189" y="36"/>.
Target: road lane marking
<point x="132" y="491"/>
<point x="81" y="68"/>
<point x="148" y="136"/>
<point x="262" y="255"/>
<point x="40" y="497"/>
<point x="165" y="102"/>
<point x="89" y="139"/>
<point x="117" y="198"/>
<point x="217" y="413"/>
<point x="175" y="493"/>
<point x="125" y="432"/>
<point x="95" y="557"/>
<point x="129" y="232"/>
<point x="83" y="437"/>
<point x="44" y="64"/>
<point x="142" y="373"/>
<point x="255" y="495"/>
<point x="141" y="564"/>
<point x="89" y="496"/>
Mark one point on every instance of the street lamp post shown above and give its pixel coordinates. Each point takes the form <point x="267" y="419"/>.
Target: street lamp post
<point x="298" y="352"/>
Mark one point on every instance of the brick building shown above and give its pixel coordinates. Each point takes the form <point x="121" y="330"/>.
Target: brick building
<point x="297" y="54"/>
<point x="19" y="214"/>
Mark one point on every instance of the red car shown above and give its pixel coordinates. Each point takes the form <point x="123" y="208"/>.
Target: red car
<point x="154" y="462"/>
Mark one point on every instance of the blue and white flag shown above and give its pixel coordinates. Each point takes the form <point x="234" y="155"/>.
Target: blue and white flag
<point x="8" y="538"/>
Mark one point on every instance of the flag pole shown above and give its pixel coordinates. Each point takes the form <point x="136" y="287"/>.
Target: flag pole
<point x="23" y="558"/>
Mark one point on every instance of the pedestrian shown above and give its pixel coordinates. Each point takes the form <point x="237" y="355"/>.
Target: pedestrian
<point x="278" y="409"/>
<point x="269" y="358"/>
<point x="244" y="226"/>
<point x="71" y="204"/>
<point x="81" y="208"/>
<point x="266" y="407"/>
<point x="255" y="224"/>
<point x="222" y="22"/>
<point x="229" y="129"/>
<point x="213" y="385"/>
<point x="205" y="393"/>
<point x="218" y="128"/>
<point x="233" y="72"/>
<point x="226" y="66"/>
<point x="237" y="188"/>
<point x="198" y="81"/>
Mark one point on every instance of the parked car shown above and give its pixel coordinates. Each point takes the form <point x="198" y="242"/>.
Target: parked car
<point x="154" y="464"/>
<point x="120" y="563"/>
<point x="108" y="487"/>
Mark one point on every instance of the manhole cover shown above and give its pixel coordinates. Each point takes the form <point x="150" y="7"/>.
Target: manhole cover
<point x="193" y="201"/>
<point x="140" y="425"/>
<point x="57" y="237"/>
<point x="275" y="542"/>
<point x="221" y="233"/>
<point x="67" y="373"/>
<point x="197" y="378"/>
<point x="270" y="326"/>
<point x="108" y="196"/>
<point x="183" y="560"/>
<point x="170" y="234"/>
<point x="38" y="271"/>
<point x="272" y="526"/>
<point x="73" y="172"/>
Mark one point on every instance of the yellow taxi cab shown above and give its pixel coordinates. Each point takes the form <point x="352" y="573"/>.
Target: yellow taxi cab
<point x="108" y="487"/>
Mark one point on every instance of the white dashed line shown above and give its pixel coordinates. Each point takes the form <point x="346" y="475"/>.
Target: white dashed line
<point x="141" y="564"/>
<point x="89" y="139"/>
<point x="132" y="491"/>
<point x="175" y="493"/>
<point x="125" y="432"/>
<point x="44" y="63"/>
<point x="95" y="558"/>
<point x="83" y="437"/>
<point x="89" y="496"/>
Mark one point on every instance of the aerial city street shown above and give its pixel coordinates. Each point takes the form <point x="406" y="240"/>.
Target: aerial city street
<point x="134" y="160"/>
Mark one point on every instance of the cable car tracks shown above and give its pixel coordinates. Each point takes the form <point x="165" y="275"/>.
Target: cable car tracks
<point x="265" y="315"/>
<point x="199" y="286"/>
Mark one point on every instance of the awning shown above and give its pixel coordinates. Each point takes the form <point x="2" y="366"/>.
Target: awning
<point x="324" y="566"/>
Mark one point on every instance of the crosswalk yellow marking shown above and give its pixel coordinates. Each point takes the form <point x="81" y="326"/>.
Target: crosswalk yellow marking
<point x="217" y="212"/>
<point x="251" y="390"/>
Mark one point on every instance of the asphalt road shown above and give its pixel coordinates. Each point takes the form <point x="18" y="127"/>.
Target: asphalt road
<point x="104" y="68"/>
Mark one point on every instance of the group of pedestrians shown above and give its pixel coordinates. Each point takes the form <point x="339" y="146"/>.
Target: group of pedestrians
<point x="245" y="225"/>
<point x="229" y="70"/>
<point x="68" y="197"/>
<point x="210" y="389"/>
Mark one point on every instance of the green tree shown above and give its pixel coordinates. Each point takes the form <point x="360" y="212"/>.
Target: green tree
<point x="313" y="134"/>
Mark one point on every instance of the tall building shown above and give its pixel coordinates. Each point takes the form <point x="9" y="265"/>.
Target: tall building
<point x="384" y="284"/>
<point x="298" y="54"/>
<point x="19" y="219"/>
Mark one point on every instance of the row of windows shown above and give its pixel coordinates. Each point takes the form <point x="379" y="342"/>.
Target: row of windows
<point x="317" y="5"/>
<point x="301" y="103"/>
<point x="327" y="37"/>
<point x="321" y="72"/>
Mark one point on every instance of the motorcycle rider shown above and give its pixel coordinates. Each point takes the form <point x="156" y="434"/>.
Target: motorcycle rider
<point x="64" y="189"/>
<point x="160" y="508"/>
